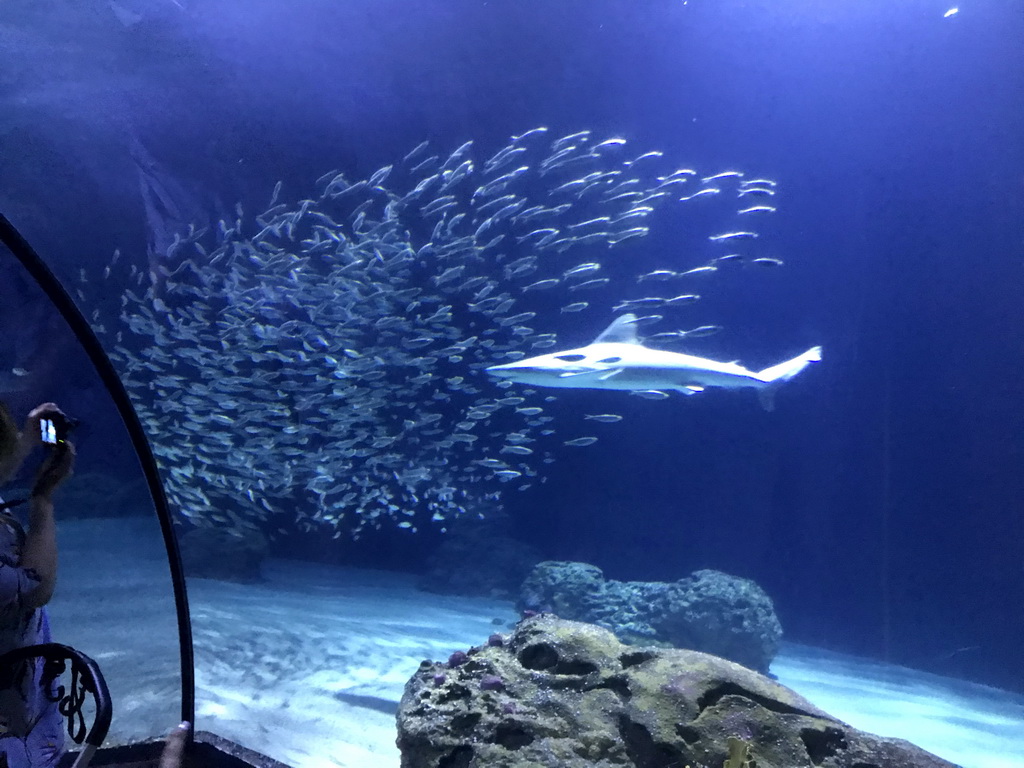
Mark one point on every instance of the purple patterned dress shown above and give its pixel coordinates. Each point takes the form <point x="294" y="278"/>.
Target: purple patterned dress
<point x="31" y="728"/>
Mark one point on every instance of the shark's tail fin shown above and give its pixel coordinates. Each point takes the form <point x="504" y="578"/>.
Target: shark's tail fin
<point x="777" y="375"/>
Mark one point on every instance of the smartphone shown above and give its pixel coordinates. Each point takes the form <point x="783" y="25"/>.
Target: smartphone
<point x="50" y="432"/>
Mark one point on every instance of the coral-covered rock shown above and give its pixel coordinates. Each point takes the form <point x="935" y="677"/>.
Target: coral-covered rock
<point x="709" y="611"/>
<point x="212" y="553"/>
<point x="479" y="558"/>
<point x="563" y="694"/>
<point x="570" y="590"/>
<point x="721" y="614"/>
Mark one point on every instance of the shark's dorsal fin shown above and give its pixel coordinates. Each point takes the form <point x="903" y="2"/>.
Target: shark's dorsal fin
<point x="621" y="331"/>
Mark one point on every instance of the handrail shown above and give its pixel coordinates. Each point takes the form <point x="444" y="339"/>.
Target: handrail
<point x="37" y="268"/>
<point x="86" y="677"/>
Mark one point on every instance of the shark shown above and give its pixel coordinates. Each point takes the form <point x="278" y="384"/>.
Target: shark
<point x="617" y="359"/>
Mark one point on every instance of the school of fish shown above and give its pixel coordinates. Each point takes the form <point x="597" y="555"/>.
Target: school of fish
<point x="320" y="364"/>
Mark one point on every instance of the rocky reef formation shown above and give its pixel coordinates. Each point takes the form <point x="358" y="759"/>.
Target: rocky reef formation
<point x="213" y="553"/>
<point x="708" y="611"/>
<point x="479" y="558"/>
<point x="564" y="694"/>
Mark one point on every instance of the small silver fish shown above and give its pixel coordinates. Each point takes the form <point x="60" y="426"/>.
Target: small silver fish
<point x="540" y="234"/>
<point x="531" y="132"/>
<point x="618" y="237"/>
<point x="379" y="176"/>
<point x="607" y="143"/>
<point x="702" y="331"/>
<point x="732" y="236"/>
<point x="682" y="300"/>
<point x="563" y="142"/>
<point x="658" y="274"/>
<point x="727" y="258"/>
<point x="604" y="418"/>
<point x="650" y="394"/>
<point x="703" y="193"/>
<point x="582" y="269"/>
<point x="590" y="284"/>
<point x="491" y="463"/>
<point x="648" y="320"/>
<point x="722" y="175"/>
<point x="579" y="442"/>
<point x="502" y="157"/>
<point x="644" y="156"/>
<point x="519" y="450"/>
<point x="416" y="150"/>
<point x="648" y="302"/>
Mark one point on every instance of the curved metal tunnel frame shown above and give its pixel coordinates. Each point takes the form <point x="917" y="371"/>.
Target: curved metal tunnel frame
<point x="47" y="280"/>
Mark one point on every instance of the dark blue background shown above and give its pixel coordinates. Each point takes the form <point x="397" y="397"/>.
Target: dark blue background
<point x="881" y="504"/>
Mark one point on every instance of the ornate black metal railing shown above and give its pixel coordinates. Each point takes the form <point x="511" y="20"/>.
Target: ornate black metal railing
<point x="37" y="268"/>
<point x="70" y="698"/>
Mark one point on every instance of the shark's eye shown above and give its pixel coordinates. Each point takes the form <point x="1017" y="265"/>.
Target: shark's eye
<point x="611" y="360"/>
<point x="571" y="358"/>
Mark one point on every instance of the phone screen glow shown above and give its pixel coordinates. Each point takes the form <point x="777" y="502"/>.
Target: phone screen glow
<point x="48" y="431"/>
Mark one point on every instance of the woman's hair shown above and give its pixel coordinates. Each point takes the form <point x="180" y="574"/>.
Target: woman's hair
<point x="8" y="443"/>
<point x="8" y="436"/>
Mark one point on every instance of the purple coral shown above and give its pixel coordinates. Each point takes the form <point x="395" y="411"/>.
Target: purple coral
<point x="491" y="683"/>
<point x="439" y="678"/>
<point x="495" y="640"/>
<point x="458" y="658"/>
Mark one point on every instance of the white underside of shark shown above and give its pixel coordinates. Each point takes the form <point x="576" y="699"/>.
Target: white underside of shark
<point x="617" y="360"/>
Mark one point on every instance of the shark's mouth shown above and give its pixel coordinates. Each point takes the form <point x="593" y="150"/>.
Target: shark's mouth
<point x="585" y="372"/>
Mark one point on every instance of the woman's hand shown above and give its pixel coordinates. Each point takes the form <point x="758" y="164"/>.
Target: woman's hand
<point x="14" y="448"/>
<point x="32" y="435"/>
<point x="174" y="747"/>
<point x="56" y="468"/>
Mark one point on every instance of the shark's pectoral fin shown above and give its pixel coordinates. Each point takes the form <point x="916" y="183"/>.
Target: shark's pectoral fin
<point x="570" y="374"/>
<point x="766" y="396"/>
<point x="610" y="374"/>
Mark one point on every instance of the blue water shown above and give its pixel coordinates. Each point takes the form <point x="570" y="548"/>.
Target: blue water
<point x="879" y="504"/>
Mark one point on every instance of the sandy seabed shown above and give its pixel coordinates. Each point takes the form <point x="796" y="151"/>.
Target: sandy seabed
<point x="308" y="667"/>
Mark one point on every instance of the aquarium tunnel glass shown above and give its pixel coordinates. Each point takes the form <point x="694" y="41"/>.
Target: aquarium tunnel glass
<point x="699" y="322"/>
<point x="113" y="575"/>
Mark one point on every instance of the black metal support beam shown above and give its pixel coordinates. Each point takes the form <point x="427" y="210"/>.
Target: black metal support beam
<point x="62" y="300"/>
